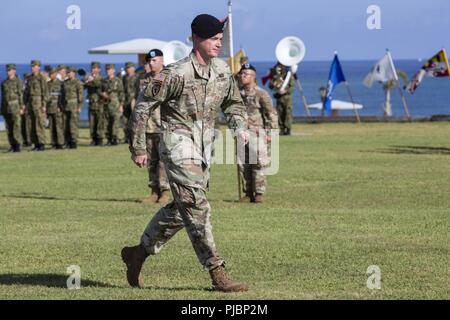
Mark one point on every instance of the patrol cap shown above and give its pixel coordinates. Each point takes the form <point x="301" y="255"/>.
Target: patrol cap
<point x="95" y="64"/>
<point x="71" y="69"/>
<point x="10" y="66"/>
<point x="129" y="64"/>
<point x="248" y="66"/>
<point x="206" y="26"/>
<point x="52" y="70"/>
<point x="110" y="66"/>
<point x="154" y="53"/>
<point x="47" y="68"/>
<point x="61" y="66"/>
<point x="35" y="63"/>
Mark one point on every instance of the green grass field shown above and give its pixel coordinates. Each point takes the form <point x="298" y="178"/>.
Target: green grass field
<point x="346" y="197"/>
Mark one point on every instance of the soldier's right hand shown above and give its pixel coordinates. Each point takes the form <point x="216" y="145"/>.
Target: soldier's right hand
<point x="140" y="161"/>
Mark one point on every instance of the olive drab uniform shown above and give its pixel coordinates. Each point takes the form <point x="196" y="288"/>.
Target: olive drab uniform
<point x="55" y="113"/>
<point x="96" y="110"/>
<point x="114" y="89"/>
<point x="262" y="118"/>
<point x="189" y="95"/>
<point x="36" y="97"/>
<point x="25" y="120"/>
<point x="156" y="169"/>
<point x="284" y="101"/>
<point x="12" y="102"/>
<point x="72" y="101"/>
<point x="130" y="87"/>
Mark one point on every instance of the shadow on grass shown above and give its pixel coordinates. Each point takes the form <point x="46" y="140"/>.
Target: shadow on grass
<point x="47" y="280"/>
<point x="414" y="150"/>
<point x="43" y="197"/>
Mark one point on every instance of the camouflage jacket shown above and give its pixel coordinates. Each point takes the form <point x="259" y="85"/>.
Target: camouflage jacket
<point x="94" y="89"/>
<point x="154" y="121"/>
<point x="54" y="91"/>
<point x="36" y="91"/>
<point x="260" y="111"/>
<point x="12" y="96"/>
<point x="130" y="84"/>
<point x="189" y="100"/>
<point x="277" y="82"/>
<point x="72" y="95"/>
<point x="114" y="90"/>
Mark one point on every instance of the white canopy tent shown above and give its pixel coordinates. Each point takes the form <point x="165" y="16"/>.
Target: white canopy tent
<point x="337" y="105"/>
<point x="139" y="46"/>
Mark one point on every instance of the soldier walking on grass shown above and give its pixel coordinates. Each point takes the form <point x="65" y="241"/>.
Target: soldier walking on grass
<point x="189" y="92"/>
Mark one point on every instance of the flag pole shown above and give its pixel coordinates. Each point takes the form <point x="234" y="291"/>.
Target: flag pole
<point x="230" y="29"/>
<point x="397" y="81"/>
<point x="302" y="93"/>
<point x="353" y="102"/>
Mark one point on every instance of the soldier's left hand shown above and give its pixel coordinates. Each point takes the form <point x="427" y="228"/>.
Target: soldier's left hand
<point x="140" y="161"/>
<point x="121" y="109"/>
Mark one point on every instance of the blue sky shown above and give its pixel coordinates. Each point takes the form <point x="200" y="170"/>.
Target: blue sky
<point x="411" y="29"/>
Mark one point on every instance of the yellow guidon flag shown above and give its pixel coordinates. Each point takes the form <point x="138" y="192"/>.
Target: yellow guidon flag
<point x="437" y="67"/>
<point x="235" y="61"/>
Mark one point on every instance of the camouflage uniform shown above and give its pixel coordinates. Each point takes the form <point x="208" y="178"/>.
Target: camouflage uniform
<point x="54" y="113"/>
<point x="96" y="110"/>
<point x="131" y="87"/>
<point x="262" y="117"/>
<point x="12" y="102"/>
<point x="189" y="96"/>
<point x="35" y="98"/>
<point x="284" y="102"/>
<point x="72" y="101"/>
<point x="25" y="119"/>
<point x="156" y="169"/>
<point x="114" y="89"/>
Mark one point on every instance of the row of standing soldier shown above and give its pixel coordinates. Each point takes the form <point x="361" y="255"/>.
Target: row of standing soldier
<point x="58" y="94"/>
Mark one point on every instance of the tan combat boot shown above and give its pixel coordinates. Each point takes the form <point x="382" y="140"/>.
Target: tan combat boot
<point x="222" y="283"/>
<point x="152" y="198"/>
<point x="164" y="197"/>
<point x="247" y="198"/>
<point x="134" y="258"/>
<point x="259" y="198"/>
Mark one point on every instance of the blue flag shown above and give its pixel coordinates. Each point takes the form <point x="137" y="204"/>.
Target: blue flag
<point x="336" y="76"/>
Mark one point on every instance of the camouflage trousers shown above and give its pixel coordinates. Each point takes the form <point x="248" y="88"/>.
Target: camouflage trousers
<point x="37" y="125"/>
<point x="71" y="127"/>
<point x="191" y="210"/>
<point x="284" y="109"/>
<point x="25" y="125"/>
<point x="112" y="117"/>
<point x="12" y="122"/>
<point x="96" y="125"/>
<point x="125" y="118"/>
<point x="156" y="169"/>
<point x="55" y="126"/>
<point x="252" y="169"/>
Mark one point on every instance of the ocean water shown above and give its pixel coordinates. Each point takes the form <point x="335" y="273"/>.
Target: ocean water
<point x="431" y="98"/>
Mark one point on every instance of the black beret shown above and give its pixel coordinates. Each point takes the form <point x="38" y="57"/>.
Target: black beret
<point x="206" y="26"/>
<point x="154" y="53"/>
<point x="247" y="66"/>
